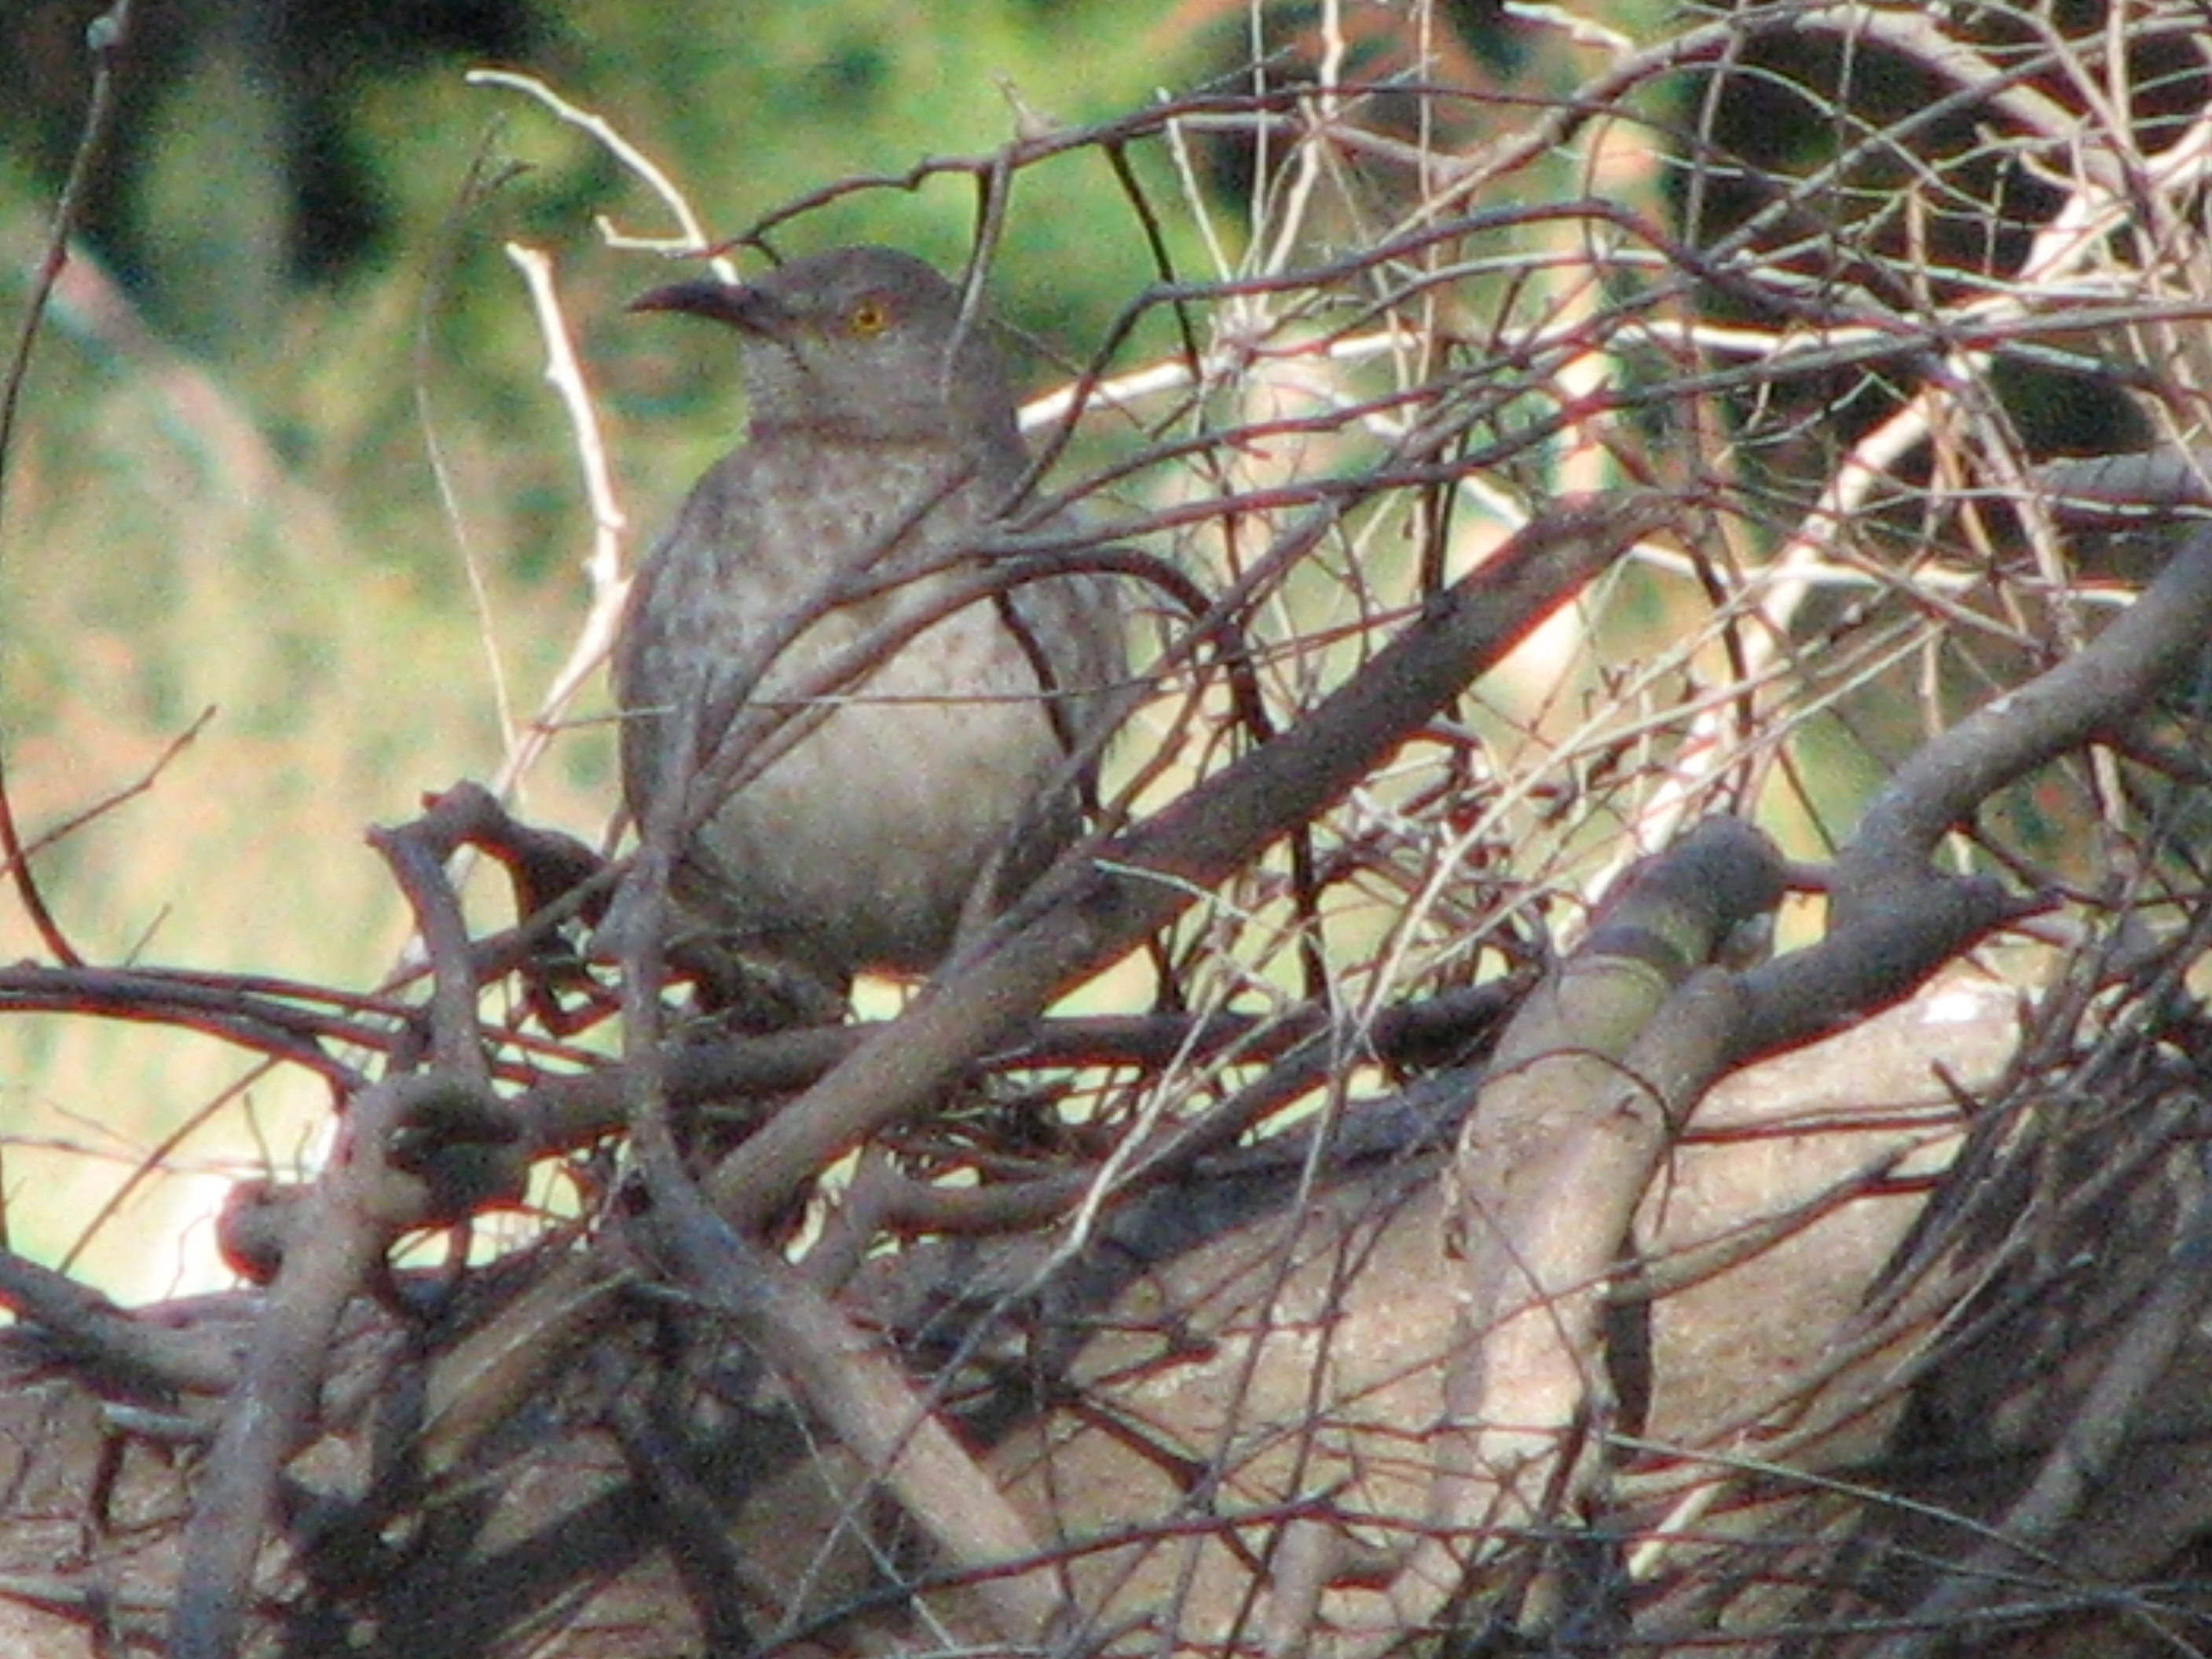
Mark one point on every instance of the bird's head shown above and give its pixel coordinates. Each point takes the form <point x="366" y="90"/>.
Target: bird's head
<point x="863" y="343"/>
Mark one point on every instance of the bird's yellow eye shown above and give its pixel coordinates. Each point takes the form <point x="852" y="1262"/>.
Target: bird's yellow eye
<point x="867" y="318"/>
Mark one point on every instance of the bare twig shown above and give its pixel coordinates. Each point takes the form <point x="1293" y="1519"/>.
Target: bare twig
<point x="106" y="37"/>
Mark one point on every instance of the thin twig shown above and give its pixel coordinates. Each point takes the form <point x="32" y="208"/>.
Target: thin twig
<point x="106" y="38"/>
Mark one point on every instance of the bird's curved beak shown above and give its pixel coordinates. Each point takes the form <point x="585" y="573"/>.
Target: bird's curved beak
<point x="733" y="303"/>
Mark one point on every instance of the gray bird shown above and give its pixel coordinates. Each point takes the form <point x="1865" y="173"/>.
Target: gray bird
<point x="881" y="440"/>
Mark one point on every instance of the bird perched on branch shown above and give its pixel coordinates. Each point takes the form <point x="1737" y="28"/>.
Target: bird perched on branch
<point x="855" y="743"/>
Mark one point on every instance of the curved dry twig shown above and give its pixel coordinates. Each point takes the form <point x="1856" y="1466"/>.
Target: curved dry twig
<point x="107" y="36"/>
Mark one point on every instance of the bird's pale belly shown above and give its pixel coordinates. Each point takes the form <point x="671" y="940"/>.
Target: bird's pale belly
<point x="906" y="795"/>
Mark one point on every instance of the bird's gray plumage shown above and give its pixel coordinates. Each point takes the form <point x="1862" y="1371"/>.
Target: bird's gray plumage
<point x="881" y="440"/>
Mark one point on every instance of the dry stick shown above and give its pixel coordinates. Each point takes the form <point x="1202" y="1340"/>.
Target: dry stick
<point x="483" y="181"/>
<point x="1306" y="1556"/>
<point x="610" y="587"/>
<point x="414" y="852"/>
<point x="1896" y="919"/>
<point x="1893" y="916"/>
<point x="718" y="1578"/>
<point x="2097" y="688"/>
<point x="1076" y="923"/>
<point x="351" y="1216"/>
<point x="854" y="1384"/>
<point x="2109" y="1415"/>
<point x="231" y="1007"/>
<point x="106" y="36"/>
<point x="562" y="1114"/>
<point x="2162" y="632"/>
<point x="910" y="1206"/>
<point x="693" y="239"/>
<point x="142" y="785"/>
<point x="1587" y="1088"/>
<point x="563" y="372"/>
<point x="265" y="1420"/>
<point x="89" y="1328"/>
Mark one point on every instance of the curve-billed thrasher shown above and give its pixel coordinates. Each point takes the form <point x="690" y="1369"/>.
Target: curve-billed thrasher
<point x="882" y="438"/>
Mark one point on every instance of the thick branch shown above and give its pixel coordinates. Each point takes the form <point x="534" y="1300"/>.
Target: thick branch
<point x="1097" y="909"/>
